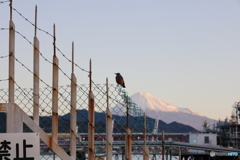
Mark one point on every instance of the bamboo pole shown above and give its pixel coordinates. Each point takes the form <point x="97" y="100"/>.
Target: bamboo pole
<point x="145" y="147"/>
<point x="128" y="139"/>
<point x="73" y="119"/>
<point x="109" y="128"/>
<point x="91" y="118"/>
<point x="55" y="92"/>
<point x="36" y="73"/>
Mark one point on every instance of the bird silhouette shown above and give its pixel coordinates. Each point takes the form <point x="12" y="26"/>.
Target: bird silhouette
<point x="120" y="80"/>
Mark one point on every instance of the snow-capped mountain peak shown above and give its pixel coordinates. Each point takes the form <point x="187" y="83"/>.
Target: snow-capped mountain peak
<point x="148" y="101"/>
<point x="155" y="107"/>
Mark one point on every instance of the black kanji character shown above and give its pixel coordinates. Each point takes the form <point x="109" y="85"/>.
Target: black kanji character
<point x="4" y="150"/>
<point x="25" y="146"/>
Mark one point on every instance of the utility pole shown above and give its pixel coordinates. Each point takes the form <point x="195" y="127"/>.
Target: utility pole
<point x="163" y="145"/>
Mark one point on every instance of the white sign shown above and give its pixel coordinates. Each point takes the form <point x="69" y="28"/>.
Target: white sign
<point x="19" y="146"/>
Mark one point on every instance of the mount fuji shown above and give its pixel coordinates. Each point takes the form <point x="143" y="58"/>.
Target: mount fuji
<point x="158" y="109"/>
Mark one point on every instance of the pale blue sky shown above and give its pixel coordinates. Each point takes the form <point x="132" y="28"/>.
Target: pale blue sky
<point x="184" y="52"/>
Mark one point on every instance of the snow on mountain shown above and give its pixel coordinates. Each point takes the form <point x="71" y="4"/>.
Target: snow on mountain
<point x="155" y="107"/>
<point x="148" y="101"/>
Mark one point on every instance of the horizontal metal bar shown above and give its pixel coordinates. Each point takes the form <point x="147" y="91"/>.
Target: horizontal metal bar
<point x="167" y="144"/>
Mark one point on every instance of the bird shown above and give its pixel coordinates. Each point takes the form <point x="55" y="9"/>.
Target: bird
<point x="120" y="80"/>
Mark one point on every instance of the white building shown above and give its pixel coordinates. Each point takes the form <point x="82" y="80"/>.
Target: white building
<point x="203" y="138"/>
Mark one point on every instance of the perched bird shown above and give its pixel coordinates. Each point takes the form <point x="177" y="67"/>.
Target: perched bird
<point x="119" y="80"/>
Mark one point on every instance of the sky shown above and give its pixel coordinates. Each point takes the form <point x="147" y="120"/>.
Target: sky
<point x="184" y="52"/>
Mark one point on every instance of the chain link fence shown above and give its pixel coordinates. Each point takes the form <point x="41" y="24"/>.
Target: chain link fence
<point x="117" y="104"/>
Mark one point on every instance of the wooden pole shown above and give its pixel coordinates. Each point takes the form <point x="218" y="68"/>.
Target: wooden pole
<point x="145" y="147"/>
<point x="35" y="26"/>
<point x="55" y="91"/>
<point x="163" y="145"/>
<point x="73" y="119"/>
<point x="91" y="118"/>
<point x="128" y="138"/>
<point x="179" y="154"/>
<point x="236" y="126"/>
<point x="11" y="57"/>
<point x="109" y="128"/>
<point x="10" y="9"/>
<point x="144" y="130"/>
<point x="36" y="73"/>
<point x="14" y="125"/>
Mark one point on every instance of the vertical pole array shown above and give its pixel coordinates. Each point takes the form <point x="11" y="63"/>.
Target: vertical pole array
<point x="36" y="73"/>
<point x="128" y="139"/>
<point x="91" y="118"/>
<point x="55" y="91"/>
<point x="109" y="128"/>
<point x="11" y="57"/>
<point x="73" y="119"/>
<point x="145" y="147"/>
<point x="163" y="145"/>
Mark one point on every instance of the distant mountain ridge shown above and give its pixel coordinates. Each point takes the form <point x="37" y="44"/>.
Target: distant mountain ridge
<point x="157" y="108"/>
<point x="136" y="124"/>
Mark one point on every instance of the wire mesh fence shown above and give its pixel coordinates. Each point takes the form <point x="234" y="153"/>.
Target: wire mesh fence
<point x="117" y="103"/>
